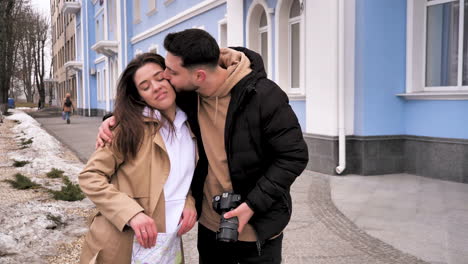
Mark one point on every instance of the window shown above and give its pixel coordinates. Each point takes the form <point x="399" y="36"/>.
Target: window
<point x="289" y="48"/>
<point x="222" y="29"/>
<point x="263" y="38"/>
<point x="437" y="47"/>
<point x="258" y="31"/>
<point x="294" y="45"/>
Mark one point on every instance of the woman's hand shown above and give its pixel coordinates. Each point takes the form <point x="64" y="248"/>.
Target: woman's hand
<point x="145" y="229"/>
<point x="105" y="134"/>
<point x="187" y="220"/>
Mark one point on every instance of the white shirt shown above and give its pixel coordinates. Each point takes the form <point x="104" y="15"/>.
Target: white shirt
<point x="181" y="150"/>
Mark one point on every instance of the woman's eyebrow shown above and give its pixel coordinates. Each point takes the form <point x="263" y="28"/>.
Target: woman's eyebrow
<point x="158" y="73"/>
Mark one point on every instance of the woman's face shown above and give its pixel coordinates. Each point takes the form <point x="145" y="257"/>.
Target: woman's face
<point x="153" y="88"/>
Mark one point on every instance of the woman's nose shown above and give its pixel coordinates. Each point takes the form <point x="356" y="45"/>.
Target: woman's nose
<point x="156" y="86"/>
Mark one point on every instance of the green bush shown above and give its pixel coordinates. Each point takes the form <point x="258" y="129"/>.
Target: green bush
<point x="25" y="142"/>
<point x="70" y="192"/>
<point x="22" y="182"/>
<point x="20" y="163"/>
<point x="55" y="173"/>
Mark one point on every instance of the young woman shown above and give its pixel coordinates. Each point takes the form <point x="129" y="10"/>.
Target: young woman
<point x="67" y="107"/>
<point x="140" y="183"/>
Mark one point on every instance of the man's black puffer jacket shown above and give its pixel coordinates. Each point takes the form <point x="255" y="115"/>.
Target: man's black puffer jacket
<point x="264" y="145"/>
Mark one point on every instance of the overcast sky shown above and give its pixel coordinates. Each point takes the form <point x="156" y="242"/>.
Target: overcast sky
<point x="44" y="7"/>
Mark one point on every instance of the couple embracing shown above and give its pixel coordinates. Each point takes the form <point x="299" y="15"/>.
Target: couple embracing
<point x="202" y="135"/>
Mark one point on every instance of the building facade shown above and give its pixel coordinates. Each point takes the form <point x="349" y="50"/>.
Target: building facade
<point x="64" y="44"/>
<point x="379" y="86"/>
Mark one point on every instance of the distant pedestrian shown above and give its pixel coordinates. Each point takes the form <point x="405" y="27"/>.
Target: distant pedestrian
<point x="67" y="107"/>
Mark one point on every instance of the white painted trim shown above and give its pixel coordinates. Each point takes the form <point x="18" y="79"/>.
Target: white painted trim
<point x="118" y="33"/>
<point x="98" y="13"/>
<point x="154" y="47"/>
<point x="100" y="59"/>
<point x="168" y="2"/>
<point x="105" y="84"/>
<point x="284" y="83"/>
<point x="136" y="15"/>
<point x="296" y="97"/>
<point x="152" y="11"/>
<point x="83" y="73"/>
<point x="461" y="30"/>
<point x="435" y="95"/>
<point x="85" y="20"/>
<point x="106" y="22"/>
<point x="221" y="23"/>
<point x="125" y="53"/>
<point x="181" y="17"/>
<point x="235" y="23"/>
<point x="268" y="13"/>
<point x="438" y="2"/>
<point x="416" y="50"/>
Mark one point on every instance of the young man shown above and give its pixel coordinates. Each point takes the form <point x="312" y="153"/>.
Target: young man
<point x="252" y="142"/>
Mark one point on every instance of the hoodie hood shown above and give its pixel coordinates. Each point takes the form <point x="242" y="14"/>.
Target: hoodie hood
<point x="256" y="61"/>
<point x="237" y="65"/>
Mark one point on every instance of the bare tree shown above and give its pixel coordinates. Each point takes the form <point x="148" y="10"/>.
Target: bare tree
<point x="9" y="13"/>
<point x="27" y="52"/>
<point x="40" y="29"/>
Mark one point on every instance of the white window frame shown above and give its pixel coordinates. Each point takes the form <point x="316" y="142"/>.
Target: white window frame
<point x="151" y="7"/>
<point x="416" y="55"/>
<point x="292" y="21"/>
<point x="136" y="12"/>
<point x="253" y="16"/>
<point x="98" y="84"/>
<point x="222" y="33"/>
<point x="262" y="30"/>
<point x="153" y="48"/>
<point x="138" y="52"/>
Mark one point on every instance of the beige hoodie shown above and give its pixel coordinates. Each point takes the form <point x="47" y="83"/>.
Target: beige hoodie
<point x="212" y="119"/>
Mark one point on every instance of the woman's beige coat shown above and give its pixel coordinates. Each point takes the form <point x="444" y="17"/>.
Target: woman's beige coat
<point x="120" y="190"/>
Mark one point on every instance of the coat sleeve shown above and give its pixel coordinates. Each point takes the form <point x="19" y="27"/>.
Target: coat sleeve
<point x="94" y="180"/>
<point x="189" y="201"/>
<point x="284" y="144"/>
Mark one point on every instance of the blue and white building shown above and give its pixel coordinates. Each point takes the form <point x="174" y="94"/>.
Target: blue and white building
<point x="379" y="86"/>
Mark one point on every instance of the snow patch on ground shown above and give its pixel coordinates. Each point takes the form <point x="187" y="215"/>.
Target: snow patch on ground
<point x="44" y="153"/>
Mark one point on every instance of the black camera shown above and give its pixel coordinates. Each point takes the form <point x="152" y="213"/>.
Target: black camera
<point x="227" y="227"/>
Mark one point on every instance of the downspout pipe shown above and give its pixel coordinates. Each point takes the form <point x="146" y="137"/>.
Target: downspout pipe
<point x="341" y="92"/>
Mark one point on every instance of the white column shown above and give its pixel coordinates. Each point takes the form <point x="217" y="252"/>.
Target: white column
<point x="322" y="64"/>
<point x="322" y="67"/>
<point x="235" y="23"/>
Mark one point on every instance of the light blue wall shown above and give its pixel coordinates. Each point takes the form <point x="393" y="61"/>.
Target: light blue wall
<point x="208" y="19"/>
<point x="446" y="119"/>
<point x="380" y="67"/>
<point x="380" y="75"/>
<point x="163" y="13"/>
<point x="299" y="107"/>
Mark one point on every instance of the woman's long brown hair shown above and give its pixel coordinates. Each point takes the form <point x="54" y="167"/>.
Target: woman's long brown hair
<point x="129" y="105"/>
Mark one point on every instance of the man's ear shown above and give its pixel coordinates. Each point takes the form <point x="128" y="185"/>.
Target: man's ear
<point x="200" y="75"/>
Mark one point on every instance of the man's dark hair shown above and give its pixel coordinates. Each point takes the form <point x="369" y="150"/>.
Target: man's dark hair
<point x="194" y="46"/>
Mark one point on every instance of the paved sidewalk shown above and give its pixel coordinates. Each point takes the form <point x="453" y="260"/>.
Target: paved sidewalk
<point x="381" y="219"/>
